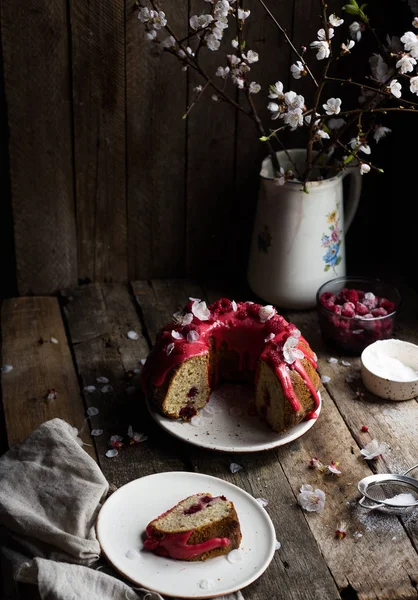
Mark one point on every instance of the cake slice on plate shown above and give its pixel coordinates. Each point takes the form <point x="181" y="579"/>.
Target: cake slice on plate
<point x="199" y="527"/>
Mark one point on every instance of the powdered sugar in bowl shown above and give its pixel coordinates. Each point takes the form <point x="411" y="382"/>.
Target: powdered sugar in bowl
<point x="389" y="369"/>
<point x="355" y="312"/>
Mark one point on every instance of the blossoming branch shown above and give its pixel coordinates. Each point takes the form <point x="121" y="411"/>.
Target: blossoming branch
<point x="338" y="135"/>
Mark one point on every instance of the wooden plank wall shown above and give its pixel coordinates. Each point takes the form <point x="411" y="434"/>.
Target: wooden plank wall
<point x="108" y="182"/>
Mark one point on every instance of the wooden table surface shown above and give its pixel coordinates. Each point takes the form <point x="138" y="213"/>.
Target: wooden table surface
<point x="378" y="558"/>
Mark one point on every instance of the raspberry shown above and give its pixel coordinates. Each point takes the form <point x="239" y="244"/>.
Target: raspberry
<point x="367" y="316"/>
<point x="370" y="300"/>
<point x="387" y="305"/>
<point x="379" y="312"/>
<point x="222" y="306"/>
<point x="360" y="294"/>
<point x="361" y="309"/>
<point x="242" y="314"/>
<point x="328" y="305"/>
<point x="327" y="298"/>
<point x="336" y="309"/>
<point x="341" y="296"/>
<point x="352" y="296"/>
<point x="253" y="310"/>
<point x="364" y="428"/>
<point x="348" y="309"/>
<point x="275" y="325"/>
<point x="344" y="325"/>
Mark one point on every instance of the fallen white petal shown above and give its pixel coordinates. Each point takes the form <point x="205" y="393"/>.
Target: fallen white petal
<point x="143" y="361"/>
<point x="263" y="502"/>
<point x="195" y="421"/>
<point x="90" y="389"/>
<point x="96" y="432"/>
<point x="115" y="438"/>
<point x="278" y="545"/>
<point x="112" y="453"/>
<point x="102" y="380"/>
<point x="53" y="340"/>
<point x="235" y="556"/>
<point x="325" y="379"/>
<point x="6" y="368"/>
<point x="132" y="335"/>
<point x="234" y="467"/>
<point x="332" y="360"/>
<point x="139" y="437"/>
<point x="345" y="363"/>
<point x="207" y="584"/>
<point x="106" y="389"/>
<point x="92" y="411"/>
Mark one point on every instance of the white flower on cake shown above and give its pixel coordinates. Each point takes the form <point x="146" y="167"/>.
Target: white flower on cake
<point x="200" y="310"/>
<point x="170" y="349"/>
<point x="266" y="313"/>
<point x="182" y="319"/>
<point x="269" y="338"/>
<point x="291" y="351"/>
<point x="234" y="305"/>
<point x="335" y="21"/>
<point x="176" y="335"/>
<point x="311" y="500"/>
<point x="374" y="449"/>
<point x="192" y="336"/>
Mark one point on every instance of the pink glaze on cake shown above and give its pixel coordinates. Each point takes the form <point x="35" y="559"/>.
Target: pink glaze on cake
<point x="175" y="545"/>
<point x="252" y="331"/>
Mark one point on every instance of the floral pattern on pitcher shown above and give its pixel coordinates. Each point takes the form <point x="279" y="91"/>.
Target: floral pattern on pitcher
<point x="264" y="239"/>
<point x="332" y="241"/>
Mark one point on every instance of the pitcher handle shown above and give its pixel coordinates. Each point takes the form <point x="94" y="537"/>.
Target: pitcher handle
<point x="350" y="206"/>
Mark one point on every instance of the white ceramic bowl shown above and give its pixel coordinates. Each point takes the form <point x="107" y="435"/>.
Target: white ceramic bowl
<point x="389" y="369"/>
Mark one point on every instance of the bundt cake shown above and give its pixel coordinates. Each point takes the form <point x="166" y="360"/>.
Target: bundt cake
<point x="197" y="528"/>
<point x="238" y="342"/>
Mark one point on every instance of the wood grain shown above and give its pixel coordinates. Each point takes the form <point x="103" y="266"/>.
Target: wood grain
<point x="98" y="69"/>
<point x="99" y="317"/>
<point x="37" y="86"/>
<point x="211" y="200"/>
<point x="38" y="366"/>
<point x="262" y="476"/>
<point x="156" y="98"/>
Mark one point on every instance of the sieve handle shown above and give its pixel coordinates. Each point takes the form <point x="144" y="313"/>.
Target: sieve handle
<point x="363" y="504"/>
<point x="411" y="469"/>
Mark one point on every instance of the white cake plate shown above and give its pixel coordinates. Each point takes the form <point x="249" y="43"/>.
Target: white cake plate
<point x="228" y="424"/>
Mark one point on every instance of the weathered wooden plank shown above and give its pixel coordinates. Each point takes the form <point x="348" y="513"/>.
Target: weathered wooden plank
<point x="156" y="99"/>
<point x="99" y="317"/>
<point x="262" y="476"/>
<point x="37" y="86"/>
<point x="98" y="69"/>
<point x="264" y="37"/>
<point x="210" y="164"/>
<point x="39" y="366"/>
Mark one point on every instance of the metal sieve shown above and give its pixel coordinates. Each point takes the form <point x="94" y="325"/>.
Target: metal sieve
<point x="395" y="494"/>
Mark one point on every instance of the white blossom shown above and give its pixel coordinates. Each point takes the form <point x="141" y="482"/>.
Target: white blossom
<point x="406" y="64"/>
<point x="222" y="72"/>
<point x="198" y="89"/>
<point x="333" y="106"/>
<point x="334" y="123"/>
<point x="276" y="91"/>
<point x="374" y="449"/>
<point x="200" y="22"/>
<point x="251" y="56"/>
<point x="322" y="49"/>
<point x="335" y="21"/>
<point x="415" y="22"/>
<point x="192" y="336"/>
<point x="413" y="85"/>
<point x="311" y="500"/>
<point x="348" y="46"/>
<point x="322" y="34"/>
<point x="212" y="42"/>
<point x="235" y="43"/>
<point x="409" y="40"/>
<point x="294" y="100"/>
<point x="266" y="313"/>
<point x="355" y="31"/>
<point x="200" y="310"/>
<point x="151" y="35"/>
<point x="322" y="134"/>
<point x="381" y="132"/>
<point x="234" y="305"/>
<point x="291" y="351"/>
<point x="355" y="143"/>
<point x="308" y="119"/>
<point x="168" y="42"/>
<point x="364" y="168"/>
<point x="144" y="14"/>
<point x="297" y="69"/>
<point x="222" y="8"/>
<point x="189" y="51"/>
<point x="274" y="108"/>
<point x="159" y="20"/>
<point x="176" y="335"/>
<point x="182" y="319"/>
<point x="215" y="98"/>
<point x="233" y="59"/>
<point x="254" y="87"/>
<point x="293" y="118"/>
<point x="395" y="88"/>
<point x="379" y="68"/>
<point x="243" y="14"/>
<point x="281" y="180"/>
<point x="239" y="81"/>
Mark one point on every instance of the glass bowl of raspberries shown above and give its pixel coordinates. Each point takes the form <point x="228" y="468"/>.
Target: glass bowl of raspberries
<point x="355" y="312"/>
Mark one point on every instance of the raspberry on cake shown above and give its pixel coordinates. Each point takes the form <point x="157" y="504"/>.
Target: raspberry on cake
<point x="197" y="528"/>
<point x="238" y="342"/>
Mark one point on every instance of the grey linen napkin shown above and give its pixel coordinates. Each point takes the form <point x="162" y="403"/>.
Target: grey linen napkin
<point x="50" y="494"/>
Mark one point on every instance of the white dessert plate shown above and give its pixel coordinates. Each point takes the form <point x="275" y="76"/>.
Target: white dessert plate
<point x="125" y="515"/>
<point x="228" y="424"/>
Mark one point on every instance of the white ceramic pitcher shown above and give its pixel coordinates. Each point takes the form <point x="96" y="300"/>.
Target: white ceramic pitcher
<point x="298" y="238"/>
